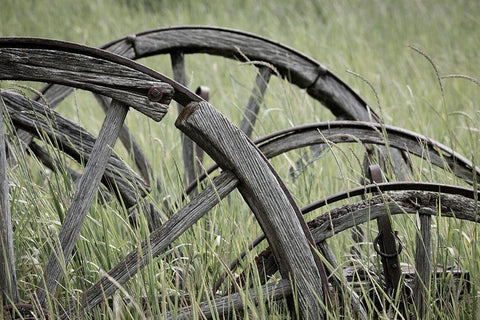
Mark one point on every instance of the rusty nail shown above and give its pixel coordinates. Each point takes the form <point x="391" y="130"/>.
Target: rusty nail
<point x="155" y="94"/>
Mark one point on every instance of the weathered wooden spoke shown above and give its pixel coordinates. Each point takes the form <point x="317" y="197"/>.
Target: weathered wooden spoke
<point x="188" y="147"/>
<point x="262" y="190"/>
<point x="161" y="239"/>
<point x="423" y="265"/>
<point x="8" y="280"/>
<point x="256" y="98"/>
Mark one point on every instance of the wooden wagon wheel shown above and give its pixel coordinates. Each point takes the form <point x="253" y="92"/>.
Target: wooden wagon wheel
<point x="410" y="142"/>
<point x="131" y="85"/>
<point x="267" y="55"/>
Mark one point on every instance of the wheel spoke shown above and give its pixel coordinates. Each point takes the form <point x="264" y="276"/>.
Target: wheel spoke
<point x="8" y="279"/>
<point x="161" y="239"/>
<point x="188" y="147"/>
<point x="255" y="100"/>
<point x="423" y="265"/>
<point x="86" y="190"/>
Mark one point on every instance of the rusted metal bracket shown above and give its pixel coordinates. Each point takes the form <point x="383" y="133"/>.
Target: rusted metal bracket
<point x="387" y="241"/>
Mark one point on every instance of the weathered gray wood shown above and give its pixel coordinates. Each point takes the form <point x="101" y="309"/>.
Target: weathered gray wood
<point x="40" y="120"/>
<point x="298" y="69"/>
<point x="224" y="306"/>
<point x="345" y="217"/>
<point x="423" y="266"/>
<point x="348" y="216"/>
<point x="81" y="202"/>
<point x="161" y="239"/>
<point x="188" y="147"/>
<point x="294" y="138"/>
<point x="132" y="146"/>
<point x="86" y="72"/>
<point x="263" y="190"/>
<point x="8" y="279"/>
<point x="354" y="132"/>
<point x="253" y="107"/>
<point x="54" y="94"/>
<point x="301" y="70"/>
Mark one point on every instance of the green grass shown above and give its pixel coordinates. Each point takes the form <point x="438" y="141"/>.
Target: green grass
<point x="415" y="62"/>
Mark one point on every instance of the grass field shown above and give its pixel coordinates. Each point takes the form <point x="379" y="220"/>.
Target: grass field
<point x="415" y="62"/>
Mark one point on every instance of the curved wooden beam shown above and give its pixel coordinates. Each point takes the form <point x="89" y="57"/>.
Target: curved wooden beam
<point x="411" y="142"/>
<point x="34" y="59"/>
<point x="268" y="198"/>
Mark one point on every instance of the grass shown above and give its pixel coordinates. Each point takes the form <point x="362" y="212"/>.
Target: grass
<point x="415" y="62"/>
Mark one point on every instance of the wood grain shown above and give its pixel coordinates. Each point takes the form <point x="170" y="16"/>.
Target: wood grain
<point x="160" y="239"/>
<point x="423" y="265"/>
<point x="86" y="190"/>
<point x="41" y="121"/>
<point x="8" y="279"/>
<point x="266" y="196"/>
<point x="85" y="72"/>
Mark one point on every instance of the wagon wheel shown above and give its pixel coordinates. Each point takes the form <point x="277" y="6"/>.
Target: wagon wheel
<point x="269" y="57"/>
<point x="131" y="85"/>
<point x="357" y="132"/>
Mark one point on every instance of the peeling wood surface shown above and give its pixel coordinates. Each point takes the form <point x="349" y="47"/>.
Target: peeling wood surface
<point x="342" y="218"/>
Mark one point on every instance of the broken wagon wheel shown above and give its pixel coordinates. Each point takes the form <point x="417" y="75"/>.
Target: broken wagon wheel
<point x="129" y="85"/>
<point x="270" y="57"/>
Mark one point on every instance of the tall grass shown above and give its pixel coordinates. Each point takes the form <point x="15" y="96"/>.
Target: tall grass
<point x="432" y="89"/>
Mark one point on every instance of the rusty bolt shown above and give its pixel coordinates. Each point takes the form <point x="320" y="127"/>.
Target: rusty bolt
<point x="155" y="94"/>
